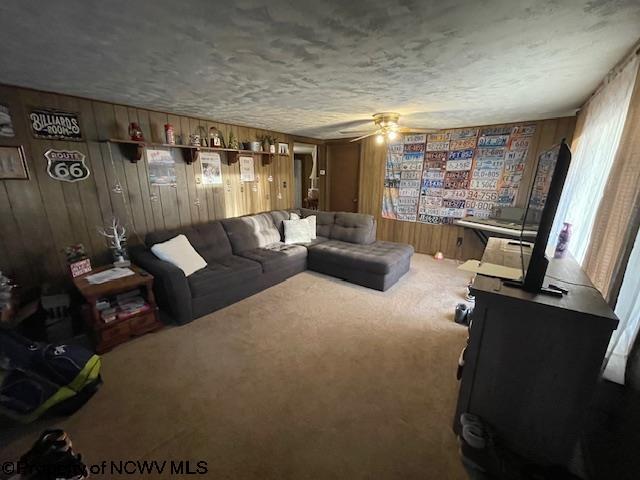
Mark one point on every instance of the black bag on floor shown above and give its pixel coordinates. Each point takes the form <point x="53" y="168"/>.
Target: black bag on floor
<point x="36" y="378"/>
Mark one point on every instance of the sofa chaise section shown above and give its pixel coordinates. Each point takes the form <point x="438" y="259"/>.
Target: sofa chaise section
<point x="353" y="254"/>
<point x="377" y="265"/>
<point x="257" y="238"/>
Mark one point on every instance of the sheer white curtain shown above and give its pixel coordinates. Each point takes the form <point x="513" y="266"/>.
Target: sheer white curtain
<point x="628" y="311"/>
<point x="598" y="133"/>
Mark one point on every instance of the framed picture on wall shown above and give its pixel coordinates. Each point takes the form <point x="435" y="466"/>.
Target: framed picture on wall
<point x="6" y="125"/>
<point x="13" y="164"/>
<point x="247" y="172"/>
<point x="283" y="148"/>
<point x="211" y="167"/>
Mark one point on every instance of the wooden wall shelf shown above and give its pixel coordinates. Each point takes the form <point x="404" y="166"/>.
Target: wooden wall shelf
<point x="133" y="151"/>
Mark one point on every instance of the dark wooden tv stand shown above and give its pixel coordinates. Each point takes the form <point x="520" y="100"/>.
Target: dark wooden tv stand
<point x="533" y="361"/>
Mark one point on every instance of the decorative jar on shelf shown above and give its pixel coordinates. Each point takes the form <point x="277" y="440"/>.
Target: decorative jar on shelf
<point x="169" y="134"/>
<point x="135" y="132"/>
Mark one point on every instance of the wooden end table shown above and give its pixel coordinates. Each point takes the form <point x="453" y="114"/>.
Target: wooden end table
<point x="108" y="335"/>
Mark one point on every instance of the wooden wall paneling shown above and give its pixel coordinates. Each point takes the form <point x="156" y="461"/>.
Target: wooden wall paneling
<point x="218" y="190"/>
<point x="288" y="168"/>
<point x="227" y="200"/>
<point x="207" y="189"/>
<point x="131" y="183"/>
<point x="25" y="229"/>
<point x="255" y="195"/>
<point x="215" y="211"/>
<point x="223" y="190"/>
<point x="12" y="246"/>
<point x="245" y="187"/>
<point x="51" y="191"/>
<point x="71" y="191"/>
<point x="263" y="183"/>
<point x="191" y="125"/>
<point x="42" y="216"/>
<point x="153" y="216"/>
<point x="182" y="189"/>
<point x="88" y="202"/>
<point x="193" y="188"/>
<point x="168" y="194"/>
<point x="107" y="127"/>
<point x="231" y="179"/>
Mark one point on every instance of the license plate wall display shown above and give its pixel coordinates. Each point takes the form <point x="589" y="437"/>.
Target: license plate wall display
<point x="433" y="175"/>
<point x="546" y="166"/>
<point x="393" y="170"/>
<point x="410" y="177"/>
<point x="514" y="162"/>
<point x="439" y="177"/>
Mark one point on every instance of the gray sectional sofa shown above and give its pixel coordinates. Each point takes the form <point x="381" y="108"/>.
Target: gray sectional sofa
<point x="245" y="255"/>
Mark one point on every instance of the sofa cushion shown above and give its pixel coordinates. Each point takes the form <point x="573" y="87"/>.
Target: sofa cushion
<point x="277" y="256"/>
<point x="354" y="228"/>
<point x="378" y="257"/>
<point x="324" y="220"/>
<point x="297" y="231"/>
<point x="160" y="236"/>
<point x="251" y="232"/>
<point x="223" y="274"/>
<point x="278" y="216"/>
<point x="179" y="252"/>
<point x="315" y="241"/>
<point x="209" y="239"/>
<point x="215" y="243"/>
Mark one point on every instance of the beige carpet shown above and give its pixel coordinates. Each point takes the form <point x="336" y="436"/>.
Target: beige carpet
<point x="312" y="378"/>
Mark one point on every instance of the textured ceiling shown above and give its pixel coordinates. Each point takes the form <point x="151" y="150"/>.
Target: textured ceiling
<point x="317" y="67"/>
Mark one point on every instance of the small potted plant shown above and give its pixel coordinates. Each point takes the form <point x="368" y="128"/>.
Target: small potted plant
<point x="232" y="142"/>
<point x="273" y="141"/>
<point x="77" y="260"/>
<point x="265" y="141"/>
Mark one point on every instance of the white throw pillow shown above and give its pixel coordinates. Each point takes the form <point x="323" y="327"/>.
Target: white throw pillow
<point x="179" y="252"/>
<point x="311" y="220"/>
<point x="296" y="231"/>
<point x="294" y="216"/>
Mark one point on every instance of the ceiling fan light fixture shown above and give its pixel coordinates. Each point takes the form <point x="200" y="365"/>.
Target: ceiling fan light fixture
<point x="379" y="139"/>
<point x="392" y="135"/>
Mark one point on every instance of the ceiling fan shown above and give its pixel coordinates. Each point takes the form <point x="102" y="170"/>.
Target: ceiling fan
<point x="387" y="128"/>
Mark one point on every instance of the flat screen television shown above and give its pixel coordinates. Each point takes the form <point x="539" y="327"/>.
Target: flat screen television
<point x="540" y="212"/>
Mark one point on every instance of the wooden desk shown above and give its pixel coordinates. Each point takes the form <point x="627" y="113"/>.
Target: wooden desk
<point x="533" y="361"/>
<point x="108" y="335"/>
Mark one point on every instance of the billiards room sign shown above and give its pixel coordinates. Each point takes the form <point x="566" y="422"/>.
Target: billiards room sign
<point x="55" y="125"/>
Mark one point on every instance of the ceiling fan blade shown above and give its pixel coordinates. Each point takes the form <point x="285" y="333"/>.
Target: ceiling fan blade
<point x="354" y="132"/>
<point x="363" y="136"/>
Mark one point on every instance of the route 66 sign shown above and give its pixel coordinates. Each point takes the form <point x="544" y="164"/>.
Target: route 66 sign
<point x="66" y="165"/>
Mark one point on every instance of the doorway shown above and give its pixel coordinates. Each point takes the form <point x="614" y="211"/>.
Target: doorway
<point x="344" y="171"/>
<point x="305" y="172"/>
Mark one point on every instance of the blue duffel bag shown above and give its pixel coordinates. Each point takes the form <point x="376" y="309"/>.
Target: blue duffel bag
<point x="36" y="377"/>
